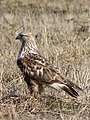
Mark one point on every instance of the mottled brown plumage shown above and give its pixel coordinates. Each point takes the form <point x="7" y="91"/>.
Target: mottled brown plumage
<point x="38" y="71"/>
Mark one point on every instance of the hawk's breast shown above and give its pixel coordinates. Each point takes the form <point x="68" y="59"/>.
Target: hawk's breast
<point x="19" y="63"/>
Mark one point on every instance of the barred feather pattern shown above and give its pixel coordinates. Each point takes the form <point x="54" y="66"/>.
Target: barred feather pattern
<point x="38" y="71"/>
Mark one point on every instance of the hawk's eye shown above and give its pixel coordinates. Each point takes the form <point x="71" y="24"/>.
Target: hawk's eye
<point x="22" y="35"/>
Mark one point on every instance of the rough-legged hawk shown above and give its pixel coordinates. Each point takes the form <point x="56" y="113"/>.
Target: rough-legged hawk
<point x="38" y="71"/>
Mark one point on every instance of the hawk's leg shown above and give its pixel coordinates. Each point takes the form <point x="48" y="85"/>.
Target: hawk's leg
<point x="34" y="87"/>
<point x="40" y="88"/>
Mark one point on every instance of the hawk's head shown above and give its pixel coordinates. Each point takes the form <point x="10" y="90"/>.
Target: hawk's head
<point x="27" y="38"/>
<point x="23" y="36"/>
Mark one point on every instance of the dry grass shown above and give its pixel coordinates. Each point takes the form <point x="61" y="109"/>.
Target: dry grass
<point x="62" y="32"/>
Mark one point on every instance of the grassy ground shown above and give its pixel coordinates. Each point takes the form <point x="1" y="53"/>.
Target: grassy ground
<point x="62" y="32"/>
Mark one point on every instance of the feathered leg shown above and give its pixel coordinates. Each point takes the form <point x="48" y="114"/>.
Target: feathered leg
<point x="34" y="87"/>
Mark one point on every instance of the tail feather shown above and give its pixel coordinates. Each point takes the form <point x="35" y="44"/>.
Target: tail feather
<point x="67" y="88"/>
<point x="73" y="85"/>
<point x="71" y="91"/>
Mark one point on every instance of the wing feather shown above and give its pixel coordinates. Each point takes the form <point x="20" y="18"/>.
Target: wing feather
<point x="39" y="69"/>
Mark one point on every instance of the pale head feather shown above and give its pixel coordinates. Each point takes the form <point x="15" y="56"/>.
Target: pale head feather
<point x="27" y="38"/>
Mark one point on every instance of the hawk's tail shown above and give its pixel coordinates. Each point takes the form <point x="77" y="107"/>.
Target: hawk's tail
<point x="68" y="87"/>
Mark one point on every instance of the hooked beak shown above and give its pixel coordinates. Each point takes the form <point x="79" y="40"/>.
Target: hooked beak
<point x="17" y="37"/>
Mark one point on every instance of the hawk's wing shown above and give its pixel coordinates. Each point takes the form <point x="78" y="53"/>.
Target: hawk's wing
<point x="39" y="69"/>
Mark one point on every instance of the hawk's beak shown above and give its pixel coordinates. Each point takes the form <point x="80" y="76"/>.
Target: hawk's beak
<point x="17" y="37"/>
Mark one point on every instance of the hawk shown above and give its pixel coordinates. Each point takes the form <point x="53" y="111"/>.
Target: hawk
<point x="38" y="71"/>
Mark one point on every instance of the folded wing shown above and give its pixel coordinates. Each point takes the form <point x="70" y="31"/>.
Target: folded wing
<point x="39" y="69"/>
